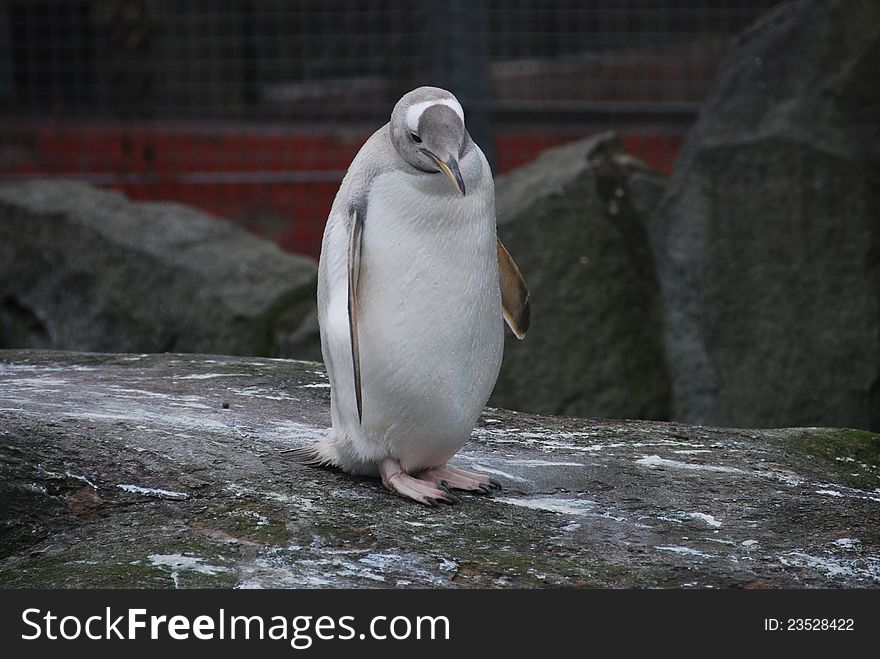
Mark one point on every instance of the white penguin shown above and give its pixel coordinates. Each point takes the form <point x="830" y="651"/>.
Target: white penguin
<point x="412" y="287"/>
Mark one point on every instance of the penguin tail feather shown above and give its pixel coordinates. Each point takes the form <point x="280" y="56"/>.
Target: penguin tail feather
<point x="319" y="454"/>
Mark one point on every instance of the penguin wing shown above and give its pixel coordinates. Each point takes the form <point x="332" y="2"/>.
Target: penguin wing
<point x="355" y="240"/>
<point x="516" y="302"/>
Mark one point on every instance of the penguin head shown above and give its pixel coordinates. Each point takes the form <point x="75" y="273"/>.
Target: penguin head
<point x="427" y="130"/>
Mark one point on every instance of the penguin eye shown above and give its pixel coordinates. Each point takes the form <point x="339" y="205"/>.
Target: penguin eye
<point x="415" y="138"/>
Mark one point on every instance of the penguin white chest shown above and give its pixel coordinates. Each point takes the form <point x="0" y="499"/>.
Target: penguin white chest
<point x="431" y="328"/>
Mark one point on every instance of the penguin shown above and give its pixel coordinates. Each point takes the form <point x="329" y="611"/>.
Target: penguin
<point x="414" y="288"/>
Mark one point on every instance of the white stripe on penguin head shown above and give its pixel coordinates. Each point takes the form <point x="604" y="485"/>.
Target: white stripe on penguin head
<point x="415" y="112"/>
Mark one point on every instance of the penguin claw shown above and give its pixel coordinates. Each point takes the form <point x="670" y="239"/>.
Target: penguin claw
<point x="447" y="500"/>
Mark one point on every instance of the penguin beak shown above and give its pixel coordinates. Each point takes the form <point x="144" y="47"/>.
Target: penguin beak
<point x="451" y="169"/>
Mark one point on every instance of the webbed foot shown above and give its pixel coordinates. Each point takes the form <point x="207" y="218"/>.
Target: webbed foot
<point x="447" y="478"/>
<point x="398" y="481"/>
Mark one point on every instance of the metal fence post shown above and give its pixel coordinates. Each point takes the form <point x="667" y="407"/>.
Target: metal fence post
<point x="460" y="63"/>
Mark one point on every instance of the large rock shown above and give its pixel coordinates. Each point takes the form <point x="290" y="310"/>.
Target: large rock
<point x="573" y="221"/>
<point x="767" y="241"/>
<point x="171" y="471"/>
<point x="85" y="269"/>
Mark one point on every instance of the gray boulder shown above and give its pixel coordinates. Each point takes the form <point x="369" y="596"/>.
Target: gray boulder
<point x="573" y="221"/>
<point x="171" y="471"/>
<point x="767" y="240"/>
<point x="86" y="269"/>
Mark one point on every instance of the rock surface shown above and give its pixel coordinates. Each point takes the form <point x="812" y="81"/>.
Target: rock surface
<point x="574" y="222"/>
<point x="767" y="240"/>
<point x="130" y="470"/>
<point x="86" y="269"/>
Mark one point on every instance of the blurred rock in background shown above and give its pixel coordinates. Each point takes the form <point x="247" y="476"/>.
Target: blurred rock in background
<point x="86" y="269"/>
<point x="576" y="228"/>
<point x="767" y="240"/>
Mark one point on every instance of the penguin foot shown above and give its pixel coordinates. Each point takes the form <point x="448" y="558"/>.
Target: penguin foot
<point x="398" y="481"/>
<point x="458" y="479"/>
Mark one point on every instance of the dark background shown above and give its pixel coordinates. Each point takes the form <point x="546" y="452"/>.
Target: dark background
<point x="716" y="260"/>
<point x="253" y="110"/>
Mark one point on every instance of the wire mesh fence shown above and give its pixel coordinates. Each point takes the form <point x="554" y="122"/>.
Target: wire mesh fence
<point x="253" y="109"/>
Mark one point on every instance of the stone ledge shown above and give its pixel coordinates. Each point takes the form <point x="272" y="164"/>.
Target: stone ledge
<point x="131" y="471"/>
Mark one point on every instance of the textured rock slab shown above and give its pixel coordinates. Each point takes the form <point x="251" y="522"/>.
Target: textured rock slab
<point x="86" y="269"/>
<point x="767" y="239"/>
<point x="574" y="222"/>
<point x="170" y="471"/>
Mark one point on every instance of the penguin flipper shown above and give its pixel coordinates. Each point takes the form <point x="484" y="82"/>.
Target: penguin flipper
<point x="516" y="301"/>
<point x="355" y="240"/>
